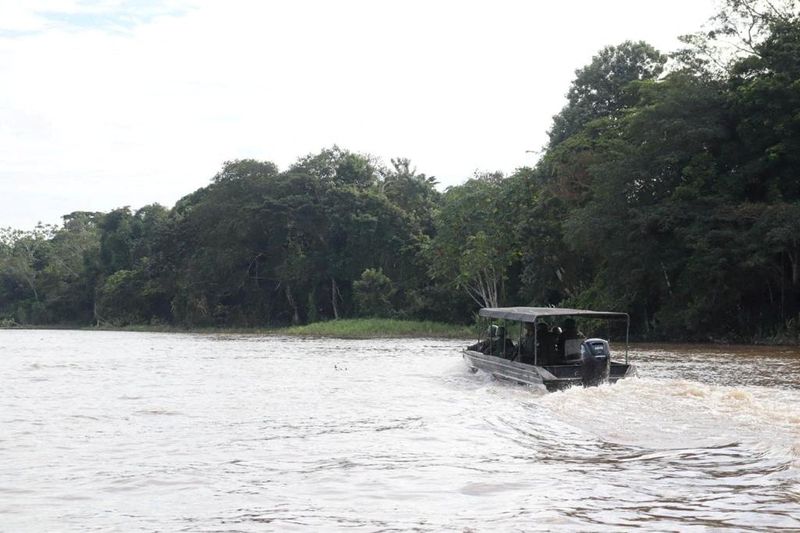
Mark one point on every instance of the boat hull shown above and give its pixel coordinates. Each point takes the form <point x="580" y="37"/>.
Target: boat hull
<point x="554" y="377"/>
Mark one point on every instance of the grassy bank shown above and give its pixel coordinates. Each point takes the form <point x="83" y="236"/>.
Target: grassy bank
<point x="367" y="328"/>
<point x="356" y="328"/>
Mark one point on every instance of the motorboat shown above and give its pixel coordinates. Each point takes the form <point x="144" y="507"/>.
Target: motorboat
<point x="550" y="348"/>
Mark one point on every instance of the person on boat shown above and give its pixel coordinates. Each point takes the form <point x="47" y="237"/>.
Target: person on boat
<point x="537" y="347"/>
<point x="527" y="344"/>
<point x="569" y="342"/>
<point x="496" y="343"/>
<point x="485" y="346"/>
<point x="547" y="349"/>
<point x="504" y="347"/>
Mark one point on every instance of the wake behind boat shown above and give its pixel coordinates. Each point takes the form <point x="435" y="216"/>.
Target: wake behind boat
<point x="550" y="350"/>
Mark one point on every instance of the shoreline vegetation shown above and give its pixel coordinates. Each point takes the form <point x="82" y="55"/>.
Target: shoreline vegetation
<point x="355" y="328"/>
<point x="368" y="328"/>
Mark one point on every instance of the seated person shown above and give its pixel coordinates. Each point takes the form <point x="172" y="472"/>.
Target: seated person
<point x="496" y="343"/>
<point x="502" y="345"/>
<point x="545" y="344"/>
<point x="569" y="342"/>
<point x="485" y="346"/>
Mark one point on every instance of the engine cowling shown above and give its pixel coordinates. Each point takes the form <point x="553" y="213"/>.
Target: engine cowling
<point x="595" y="361"/>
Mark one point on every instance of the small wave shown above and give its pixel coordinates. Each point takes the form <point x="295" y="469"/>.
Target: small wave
<point x="482" y="489"/>
<point x="281" y="431"/>
<point x="691" y="389"/>
<point x="739" y="395"/>
<point x="84" y="417"/>
<point x="162" y="412"/>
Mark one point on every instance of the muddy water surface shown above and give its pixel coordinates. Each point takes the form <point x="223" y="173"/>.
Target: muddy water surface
<point x="142" y="432"/>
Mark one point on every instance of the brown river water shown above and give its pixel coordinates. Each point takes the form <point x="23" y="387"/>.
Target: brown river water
<point x="110" y="431"/>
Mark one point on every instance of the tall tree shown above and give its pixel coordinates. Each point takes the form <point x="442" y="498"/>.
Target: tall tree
<point x="600" y="88"/>
<point x="473" y="247"/>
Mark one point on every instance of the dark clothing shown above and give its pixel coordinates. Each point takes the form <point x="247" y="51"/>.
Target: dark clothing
<point x="545" y="353"/>
<point x="526" y="350"/>
<point x="548" y="353"/>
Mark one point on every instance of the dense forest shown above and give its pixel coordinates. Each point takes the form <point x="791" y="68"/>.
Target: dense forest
<point x="669" y="189"/>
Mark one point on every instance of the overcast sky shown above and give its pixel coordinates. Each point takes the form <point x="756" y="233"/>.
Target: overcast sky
<point x="123" y="102"/>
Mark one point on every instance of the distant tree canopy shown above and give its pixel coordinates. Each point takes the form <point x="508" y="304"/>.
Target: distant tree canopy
<point x="669" y="189"/>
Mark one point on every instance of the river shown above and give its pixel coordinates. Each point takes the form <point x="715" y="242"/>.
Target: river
<point x="119" y="431"/>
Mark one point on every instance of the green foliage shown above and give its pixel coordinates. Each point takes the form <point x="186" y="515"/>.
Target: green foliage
<point x="119" y="298"/>
<point x="373" y="294"/>
<point x="473" y="247"/>
<point x="603" y="87"/>
<point x="415" y="194"/>
<point x="681" y="203"/>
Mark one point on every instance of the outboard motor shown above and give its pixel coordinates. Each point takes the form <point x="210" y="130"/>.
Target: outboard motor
<point x="595" y="361"/>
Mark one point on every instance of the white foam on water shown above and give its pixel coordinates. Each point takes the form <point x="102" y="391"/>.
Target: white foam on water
<point x="674" y="414"/>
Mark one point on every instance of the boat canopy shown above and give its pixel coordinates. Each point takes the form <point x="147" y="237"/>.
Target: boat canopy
<point x="530" y="314"/>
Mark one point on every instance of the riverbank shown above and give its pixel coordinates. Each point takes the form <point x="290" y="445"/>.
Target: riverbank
<point x="356" y="328"/>
<point x="381" y="328"/>
<point x="353" y="328"/>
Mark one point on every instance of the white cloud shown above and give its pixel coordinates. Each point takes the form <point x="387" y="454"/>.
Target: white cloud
<point x="94" y="117"/>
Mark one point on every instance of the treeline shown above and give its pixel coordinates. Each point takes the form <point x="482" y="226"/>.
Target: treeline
<point x="333" y="236"/>
<point x="670" y="189"/>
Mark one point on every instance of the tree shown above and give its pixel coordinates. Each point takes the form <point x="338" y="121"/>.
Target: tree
<point x="72" y="268"/>
<point x="373" y="294"/>
<point x="412" y="192"/>
<point x="23" y="256"/>
<point x="222" y="244"/>
<point x="336" y="167"/>
<point x="473" y="247"/>
<point x="119" y="301"/>
<point x="600" y="89"/>
<point x="734" y="34"/>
